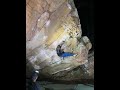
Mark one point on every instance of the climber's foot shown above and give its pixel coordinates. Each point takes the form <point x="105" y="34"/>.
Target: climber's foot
<point x="75" y="55"/>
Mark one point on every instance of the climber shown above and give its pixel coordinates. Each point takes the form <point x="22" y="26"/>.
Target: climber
<point x="35" y="75"/>
<point x="61" y="53"/>
<point x="33" y="85"/>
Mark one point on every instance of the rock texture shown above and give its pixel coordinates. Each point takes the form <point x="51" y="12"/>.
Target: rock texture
<point x="48" y="24"/>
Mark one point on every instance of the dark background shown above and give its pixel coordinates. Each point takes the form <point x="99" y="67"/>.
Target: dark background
<point x="85" y="10"/>
<point x="13" y="40"/>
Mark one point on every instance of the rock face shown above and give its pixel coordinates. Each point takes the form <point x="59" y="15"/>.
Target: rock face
<point x="48" y="24"/>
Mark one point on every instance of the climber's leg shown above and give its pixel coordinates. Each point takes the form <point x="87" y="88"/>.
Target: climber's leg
<point x="67" y="54"/>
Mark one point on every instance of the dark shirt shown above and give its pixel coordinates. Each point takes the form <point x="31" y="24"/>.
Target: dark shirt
<point x="59" y="50"/>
